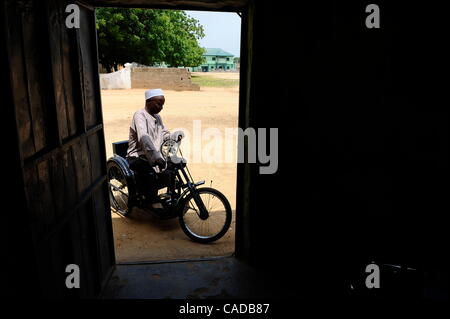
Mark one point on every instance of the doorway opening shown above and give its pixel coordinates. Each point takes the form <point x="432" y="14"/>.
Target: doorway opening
<point x="202" y="100"/>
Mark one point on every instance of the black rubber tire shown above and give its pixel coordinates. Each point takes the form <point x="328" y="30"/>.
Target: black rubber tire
<point x="113" y="167"/>
<point x="226" y="225"/>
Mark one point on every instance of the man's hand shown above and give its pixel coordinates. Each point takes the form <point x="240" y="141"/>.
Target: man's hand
<point x="178" y="135"/>
<point x="160" y="163"/>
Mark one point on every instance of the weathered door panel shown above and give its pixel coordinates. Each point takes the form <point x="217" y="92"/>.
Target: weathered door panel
<point x="56" y="100"/>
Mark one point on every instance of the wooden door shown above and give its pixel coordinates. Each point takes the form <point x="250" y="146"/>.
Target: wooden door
<point x="54" y="91"/>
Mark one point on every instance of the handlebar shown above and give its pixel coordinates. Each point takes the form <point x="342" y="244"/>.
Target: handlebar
<point x="170" y="148"/>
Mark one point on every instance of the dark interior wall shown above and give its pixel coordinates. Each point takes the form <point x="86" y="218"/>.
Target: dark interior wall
<point x="214" y="5"/>
<point x="363" y="139"/>
<point x="57" y="148"/>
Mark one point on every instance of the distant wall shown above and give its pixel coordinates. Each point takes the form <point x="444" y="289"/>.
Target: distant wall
<point x="147" y="78"/>
<point x="116" y="80"/>
<point x="164" y="78"/>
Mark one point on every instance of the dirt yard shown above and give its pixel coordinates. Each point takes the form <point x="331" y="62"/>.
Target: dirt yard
<point x="219" y="75"/>
<point x="141" y="237"/>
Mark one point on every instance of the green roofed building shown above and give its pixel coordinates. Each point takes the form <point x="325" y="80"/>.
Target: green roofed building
<point x="216" y="60"/>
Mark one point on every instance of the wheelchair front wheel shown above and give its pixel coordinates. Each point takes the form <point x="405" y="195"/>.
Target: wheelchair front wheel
<point x="212" y="228"/>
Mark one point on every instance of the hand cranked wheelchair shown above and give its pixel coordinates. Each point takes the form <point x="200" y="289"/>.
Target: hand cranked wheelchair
<point x="204" y="213"/>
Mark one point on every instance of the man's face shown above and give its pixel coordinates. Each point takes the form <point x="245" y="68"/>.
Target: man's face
<point x="155" y="104"/>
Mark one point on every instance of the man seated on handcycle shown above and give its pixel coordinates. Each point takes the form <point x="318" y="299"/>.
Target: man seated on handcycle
<point x="147" y="133"/>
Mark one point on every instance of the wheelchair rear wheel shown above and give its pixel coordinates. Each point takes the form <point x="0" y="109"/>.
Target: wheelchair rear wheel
<point x="118" y="188"/>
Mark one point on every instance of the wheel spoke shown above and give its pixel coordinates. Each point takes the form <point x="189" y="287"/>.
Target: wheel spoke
<point x="209" y="197"/>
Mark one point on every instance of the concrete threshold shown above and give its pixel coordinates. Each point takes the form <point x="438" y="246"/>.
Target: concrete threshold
<point x="220" y="278"/>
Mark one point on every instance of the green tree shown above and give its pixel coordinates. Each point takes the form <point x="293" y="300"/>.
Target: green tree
<point x="148" y="37"/>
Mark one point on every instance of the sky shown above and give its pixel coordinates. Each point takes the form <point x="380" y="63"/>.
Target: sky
<point x="222" y="30"/>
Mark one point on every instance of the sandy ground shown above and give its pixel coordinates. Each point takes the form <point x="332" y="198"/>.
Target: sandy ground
<point x="220" y="75"/>
<point x="141" y="237"/>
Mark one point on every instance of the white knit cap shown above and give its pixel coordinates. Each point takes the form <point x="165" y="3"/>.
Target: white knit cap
<point x="152" y="93"/>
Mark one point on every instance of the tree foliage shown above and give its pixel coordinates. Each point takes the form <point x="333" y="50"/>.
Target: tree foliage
<point x="148" y="37"/>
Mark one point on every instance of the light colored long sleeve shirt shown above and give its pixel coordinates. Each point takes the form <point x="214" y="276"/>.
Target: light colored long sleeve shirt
<point x="147" y="133"/>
